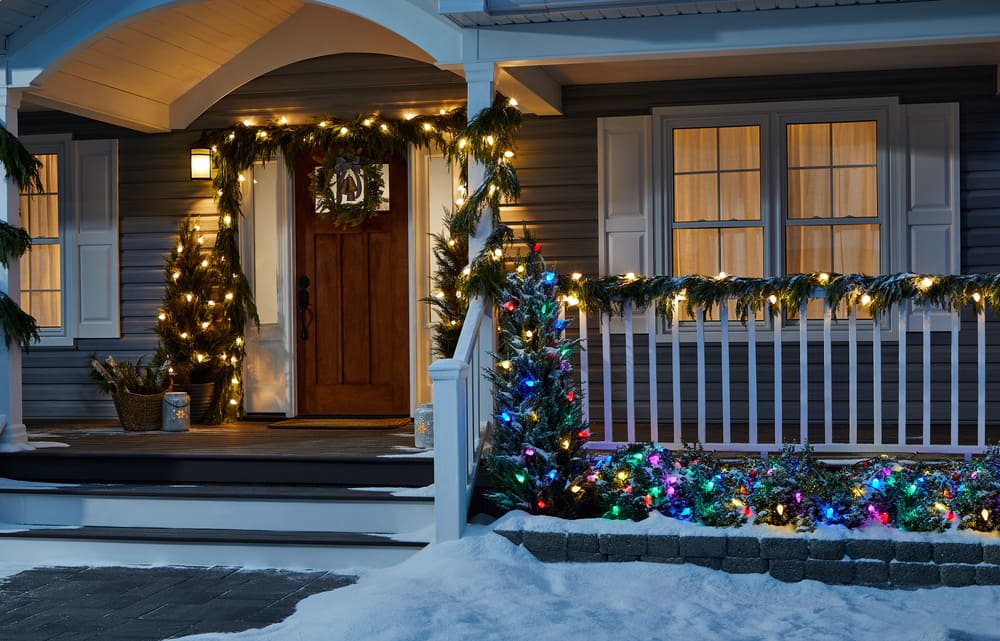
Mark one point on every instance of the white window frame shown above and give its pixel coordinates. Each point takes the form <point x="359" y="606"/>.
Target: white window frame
<point x="61" y="145"/>
<point x="772" y="117"/>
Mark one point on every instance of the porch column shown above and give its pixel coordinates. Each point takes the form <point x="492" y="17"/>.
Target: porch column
<point x="480" y="79"/>
<point x="13" y="436"/>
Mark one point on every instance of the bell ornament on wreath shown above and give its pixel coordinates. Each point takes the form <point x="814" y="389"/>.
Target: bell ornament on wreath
<point x="176" y="412"/>
<point x="423" y="426"/>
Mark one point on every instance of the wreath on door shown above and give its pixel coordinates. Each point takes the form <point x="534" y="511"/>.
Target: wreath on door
<point x="347" y="190"/>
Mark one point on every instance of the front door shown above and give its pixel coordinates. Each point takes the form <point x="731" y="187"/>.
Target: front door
<point x="352" y="292"/>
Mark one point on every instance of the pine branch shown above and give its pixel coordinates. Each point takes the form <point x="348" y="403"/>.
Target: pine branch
<point x="19" y="163"/>
<point x="19" y="327"/>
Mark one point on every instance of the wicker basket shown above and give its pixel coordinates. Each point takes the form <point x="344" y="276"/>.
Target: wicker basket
<point x="139" y="412"/>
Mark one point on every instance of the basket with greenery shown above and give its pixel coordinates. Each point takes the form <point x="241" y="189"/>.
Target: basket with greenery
<point x="136" y="388"/>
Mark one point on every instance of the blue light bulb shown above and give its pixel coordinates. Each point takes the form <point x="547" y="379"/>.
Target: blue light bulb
<point x="549" y="278"/>
<point x="505" y="416"/>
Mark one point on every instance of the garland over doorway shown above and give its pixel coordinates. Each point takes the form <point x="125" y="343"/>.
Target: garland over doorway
<point x="350" y="152"/>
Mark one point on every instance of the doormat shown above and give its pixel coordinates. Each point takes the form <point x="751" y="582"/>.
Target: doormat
<point x="341" y="423"/>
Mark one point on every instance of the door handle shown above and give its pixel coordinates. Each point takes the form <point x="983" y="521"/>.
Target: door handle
<point x="302" y="304"/>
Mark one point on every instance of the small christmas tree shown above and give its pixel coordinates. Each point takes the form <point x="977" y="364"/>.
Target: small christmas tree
<point x="537" y="459"/>
<point x="451" y="253"/>
<point x="195" y="332"/>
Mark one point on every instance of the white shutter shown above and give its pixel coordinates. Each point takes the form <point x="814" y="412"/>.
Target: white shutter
<point x="932" y="209"/>
<point x="624" y="193"/>
<point x="95" y="209"/>
<point x="625" y="199"/>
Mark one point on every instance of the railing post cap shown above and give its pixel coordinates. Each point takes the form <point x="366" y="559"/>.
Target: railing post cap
<point x="447" y="369"/>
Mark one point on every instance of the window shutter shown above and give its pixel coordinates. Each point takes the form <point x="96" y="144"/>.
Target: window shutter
<point x="624" y="197"/>
<point x="932" y="209"/>
<point x="95" y="209"/>
<point x="624" y="193"/>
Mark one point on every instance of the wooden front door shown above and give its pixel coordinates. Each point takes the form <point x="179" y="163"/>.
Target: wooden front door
<point x="351" y="294"/>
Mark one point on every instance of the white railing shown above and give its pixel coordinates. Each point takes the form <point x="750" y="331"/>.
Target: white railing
<point x="767" y="432"/>
<point x="462" y="406"/>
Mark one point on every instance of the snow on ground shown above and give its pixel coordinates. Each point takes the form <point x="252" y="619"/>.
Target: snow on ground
<point x="484" y="588"/>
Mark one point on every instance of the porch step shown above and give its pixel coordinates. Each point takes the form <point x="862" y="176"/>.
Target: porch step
<point x="167" y="468"/>
<point x="284" y="526"/>
<point x="344" y="551"/>
<point x="320" y="509"/>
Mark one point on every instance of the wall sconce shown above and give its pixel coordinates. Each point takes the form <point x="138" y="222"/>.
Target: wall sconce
<point x="201" y="164"/>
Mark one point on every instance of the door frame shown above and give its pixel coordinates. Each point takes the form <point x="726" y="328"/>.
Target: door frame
<point x="429" y="191"/>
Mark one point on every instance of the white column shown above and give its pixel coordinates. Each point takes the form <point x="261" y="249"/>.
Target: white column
<point x="480" y="78"/>
<point x="13" y="436"/>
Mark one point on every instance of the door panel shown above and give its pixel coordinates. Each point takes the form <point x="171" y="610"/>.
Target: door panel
<point x="354" y="359"/>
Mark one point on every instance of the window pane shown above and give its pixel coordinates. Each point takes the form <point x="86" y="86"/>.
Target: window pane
<point x="742" y="251"/>
<point x="40" y="268"/>
<point x="696" y="197"/>
<point x="740" y="195"/>
<point x="854" y="143"/>
<point x="49" y="172"/>
<point x="739" y="147"/>
<point x="40" y="215"/>
<point x="696" y="251"/>
<point x="855" y="192"/>
<point x="695" y="150"/>
<point x="809" y="145"/>
<point x="856" y="249"/>
<point x="808" y="193"/>
<point x="807" y="249"/>
<point x="45" y="307"/>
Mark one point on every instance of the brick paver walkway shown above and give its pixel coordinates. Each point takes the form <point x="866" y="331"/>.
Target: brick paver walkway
<point x="149" y="604"/>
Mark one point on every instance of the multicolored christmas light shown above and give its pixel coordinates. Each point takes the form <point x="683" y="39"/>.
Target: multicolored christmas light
<point x="537" y="458"/>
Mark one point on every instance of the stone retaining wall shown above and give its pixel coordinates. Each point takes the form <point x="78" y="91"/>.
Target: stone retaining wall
<point x="872" y="562"/>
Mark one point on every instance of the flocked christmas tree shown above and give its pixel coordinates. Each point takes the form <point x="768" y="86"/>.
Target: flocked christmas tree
<point x="195" y="331"/>
<point x="537" y="460"/>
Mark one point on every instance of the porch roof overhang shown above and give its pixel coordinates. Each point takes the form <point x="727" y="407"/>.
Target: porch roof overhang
<point x="155" y="65"/>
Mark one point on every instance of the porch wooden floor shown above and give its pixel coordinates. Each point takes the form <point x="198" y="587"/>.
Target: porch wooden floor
<point x="245" y="452"/>
<point x="241" y="438"/>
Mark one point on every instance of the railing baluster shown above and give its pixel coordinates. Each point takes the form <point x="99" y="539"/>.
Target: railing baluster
<point x="827" y="372"/>
<point x="675" y="368"/>
<point x="903" y="328"/>
<point x="852" y="376"/>
<point x="752" y="377"/>
<point x="926" y="438"/>
<point x="876" y="382"/>
<point x="803" y="373"/>
<point x="727" y="436"/>
<point x="629" y="374"/>
<point x="584" y="367"/>
<point x="700" y="331"/>
<point x="654" y="417"/>
<point x="954" y="377"/>
<point x="778" y="418"/>
<point x="981" y="375"/>
<point x="606" y="369"/>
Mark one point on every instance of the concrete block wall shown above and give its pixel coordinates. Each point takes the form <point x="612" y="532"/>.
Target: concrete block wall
<point x="879" y="563"/>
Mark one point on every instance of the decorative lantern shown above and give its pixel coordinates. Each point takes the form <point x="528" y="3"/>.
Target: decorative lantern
<point x="176" y="412"/>
<point x="423" y="425"/>
<point x="201" y="164"/>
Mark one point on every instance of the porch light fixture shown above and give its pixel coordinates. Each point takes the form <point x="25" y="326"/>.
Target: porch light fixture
<point x="201" y="163"/>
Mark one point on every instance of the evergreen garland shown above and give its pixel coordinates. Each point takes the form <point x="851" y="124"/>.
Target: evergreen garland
<point x="536" y="459"/>
<point x="235" y="149"/>
<point x="753" y="295"/>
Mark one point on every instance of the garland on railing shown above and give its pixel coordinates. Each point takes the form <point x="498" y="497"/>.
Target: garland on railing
<point x="487" y="138"/>
<point x="751" y="295"/>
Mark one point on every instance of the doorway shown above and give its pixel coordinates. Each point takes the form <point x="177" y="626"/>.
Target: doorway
<point x="351" y="295"/>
